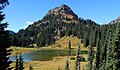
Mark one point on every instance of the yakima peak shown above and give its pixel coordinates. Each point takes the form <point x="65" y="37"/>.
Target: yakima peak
<point x="64" y="12"/>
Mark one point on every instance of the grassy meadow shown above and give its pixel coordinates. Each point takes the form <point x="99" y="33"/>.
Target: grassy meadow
<point x="52" y="65"/>
<point x="17" y="50"/>
<point x="57" y="61"/>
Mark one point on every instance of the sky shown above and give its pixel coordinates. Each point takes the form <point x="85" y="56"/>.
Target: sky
<point x="21" y="13"/>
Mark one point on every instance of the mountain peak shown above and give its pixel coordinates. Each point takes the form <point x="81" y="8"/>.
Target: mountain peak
<point x="63" y="11"/>
<point x="63" y="6"/>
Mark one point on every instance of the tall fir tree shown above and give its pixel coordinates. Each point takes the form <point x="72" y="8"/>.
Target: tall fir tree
<point x="17" y="64"/>
<point x="97" y="60"/>
<point x="90" y="57"/>
<point x="20" y="61"/>
<point x="109" y="61"/>
<point x="67" y="65"/>
<point x="4" y="39"/>
<point x="116" y="49"/>
<point x="103" y="48"/>
<point x="77" y="62"/>
<point x="69" y="44"/>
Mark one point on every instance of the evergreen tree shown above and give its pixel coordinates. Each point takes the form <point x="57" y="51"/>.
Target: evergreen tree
<point x="77" y="62"/>
<point x="116" y="49"/>
<point x="90" y="57"/>
<point x="109" y="61"/>
<point x="86" y="39"/>
<point x="97" y="61"/>
<point x="102" y="47"/>
<point x="117" y="52"/>
<point x="67" y="64"/>
<point x="69" y="44"/>
<point x="20" y="61"/>
<point x="78" y="52"/>
<point x="4" y="39"/>
<point x="17" y="64"/>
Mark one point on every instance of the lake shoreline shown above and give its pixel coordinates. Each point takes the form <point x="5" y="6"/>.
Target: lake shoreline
<point x="44" y="54"/>
<point x="22" y="50"/>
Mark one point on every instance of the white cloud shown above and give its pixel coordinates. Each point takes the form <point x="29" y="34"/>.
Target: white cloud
<point x="28" y="23"/>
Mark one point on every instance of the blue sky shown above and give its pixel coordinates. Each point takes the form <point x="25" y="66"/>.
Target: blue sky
<point x="21" y="13"/>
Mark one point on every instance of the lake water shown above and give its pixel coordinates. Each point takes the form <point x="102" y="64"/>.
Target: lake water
<point x="45" y="54"/>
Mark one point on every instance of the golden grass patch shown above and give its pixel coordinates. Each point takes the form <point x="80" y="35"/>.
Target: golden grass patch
<point x="51" y="65"/>
<point x="17" y="50"/>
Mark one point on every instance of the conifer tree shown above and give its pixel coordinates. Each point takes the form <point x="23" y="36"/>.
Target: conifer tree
<point x="90" y="57"/>
<point x="4" y="39"/>
<point x="20" y="61"/>
<point x="77" y="62"/>
<point x="67" y="64"/>
<point x="103" y="47"/>
<point x="69" y="44"/>
<point x="17" y="64"/>
<point x="97" y="61"/>
<point x="117" y="52"/>
<point x="116" y="49"/>
<point x="109" y="57"/>
<point x="78" y="52"/>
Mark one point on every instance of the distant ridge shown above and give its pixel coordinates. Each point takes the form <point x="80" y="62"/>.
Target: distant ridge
<point x="11" y="32"/>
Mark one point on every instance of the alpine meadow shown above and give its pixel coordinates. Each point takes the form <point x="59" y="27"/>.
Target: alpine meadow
<point x="61" y="40"/>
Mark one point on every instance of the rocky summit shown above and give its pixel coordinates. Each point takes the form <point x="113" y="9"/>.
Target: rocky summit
<point x="63" y="12"/>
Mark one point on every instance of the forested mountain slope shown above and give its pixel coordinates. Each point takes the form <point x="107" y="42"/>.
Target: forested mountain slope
<point x="58" y="22"/>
